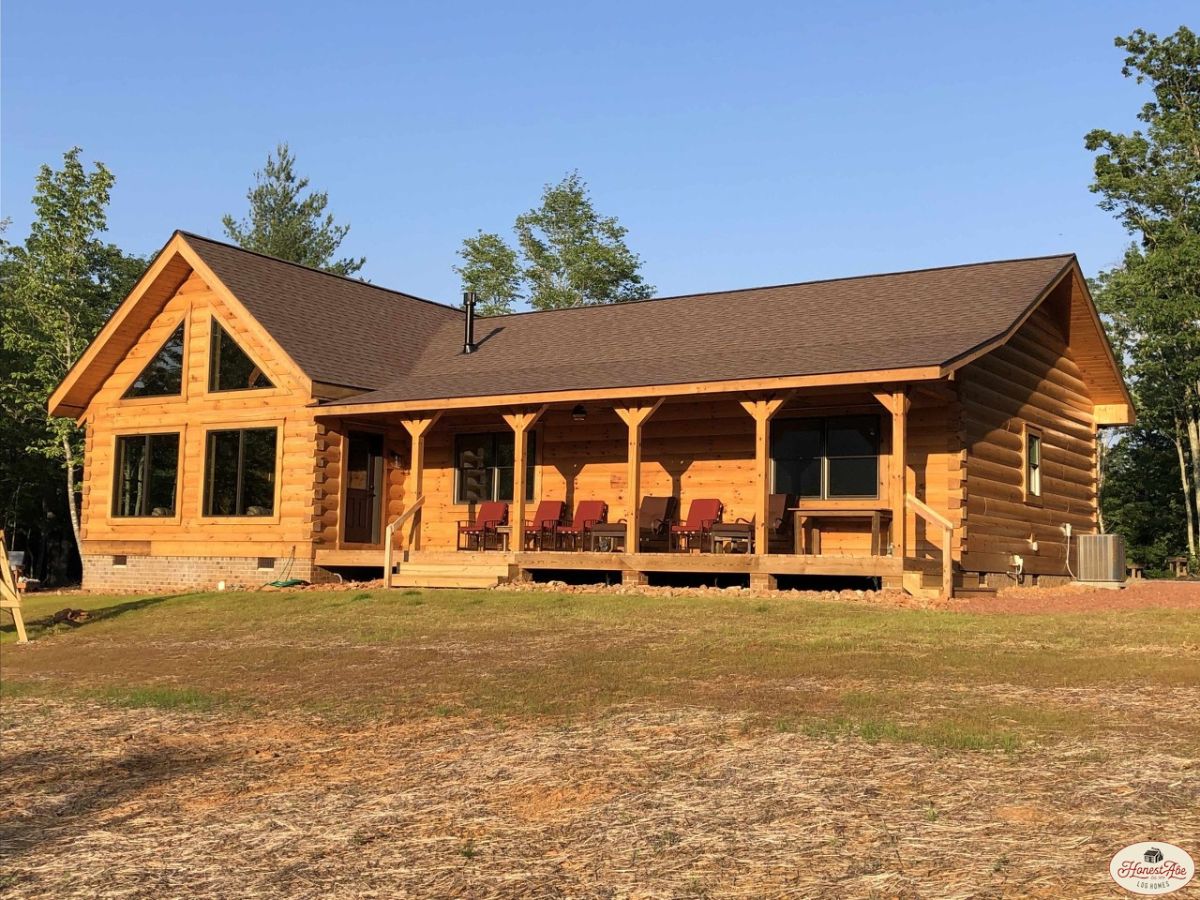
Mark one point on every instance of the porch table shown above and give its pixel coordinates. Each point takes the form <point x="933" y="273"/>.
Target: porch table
<point x="805" y="516"/>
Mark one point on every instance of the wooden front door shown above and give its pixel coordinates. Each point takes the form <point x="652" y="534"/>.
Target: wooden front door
<point x="364" y="488"/>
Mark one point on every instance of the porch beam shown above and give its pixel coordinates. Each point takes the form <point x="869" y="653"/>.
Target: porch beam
<point x="418" y="427"/>
<point x="634" y="416"/>
<point x="520" y="421"/>
<point x="762" y="411"/>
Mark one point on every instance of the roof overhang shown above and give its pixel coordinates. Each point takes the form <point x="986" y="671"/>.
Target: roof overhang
<point x="690" y="389"/>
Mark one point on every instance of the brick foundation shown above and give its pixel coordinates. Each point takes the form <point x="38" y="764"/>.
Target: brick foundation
<point x="149" y="574"/>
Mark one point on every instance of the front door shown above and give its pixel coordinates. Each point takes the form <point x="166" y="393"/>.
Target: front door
<point x="364" y="483"/>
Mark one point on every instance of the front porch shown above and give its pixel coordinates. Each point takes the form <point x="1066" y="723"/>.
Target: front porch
<point x="432" y="475"/>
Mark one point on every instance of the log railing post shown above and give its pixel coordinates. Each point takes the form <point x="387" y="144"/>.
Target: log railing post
<point x="520" y="422"/>
<point x="634" y="416"/>
<point x="762" y="411"/>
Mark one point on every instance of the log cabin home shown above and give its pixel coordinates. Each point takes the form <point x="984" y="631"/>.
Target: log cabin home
<point x="248" y="419"/>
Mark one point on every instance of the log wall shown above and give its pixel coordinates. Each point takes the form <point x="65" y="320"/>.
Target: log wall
<point x="1033" y="380"/>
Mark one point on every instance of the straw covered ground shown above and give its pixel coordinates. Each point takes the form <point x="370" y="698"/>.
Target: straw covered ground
<point x="505" y="744"/>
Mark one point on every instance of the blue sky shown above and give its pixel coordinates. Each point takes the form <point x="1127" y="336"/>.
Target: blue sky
<point x="741" y="144"/>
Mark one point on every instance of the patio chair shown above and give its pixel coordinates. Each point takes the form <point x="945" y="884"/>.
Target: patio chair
<point x="588" y="514"/>
<point x="702" y="516"/>
<point x="540" y="530"/>
<point x="655" y="516"/>
<point x="491" y="515"/>
<point x="741" y="531"/>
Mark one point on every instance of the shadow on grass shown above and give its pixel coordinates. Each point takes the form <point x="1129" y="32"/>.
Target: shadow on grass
<point x="50" y="623"/>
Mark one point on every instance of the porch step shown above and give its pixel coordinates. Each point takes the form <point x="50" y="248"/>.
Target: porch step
<point x="455" y="572"/>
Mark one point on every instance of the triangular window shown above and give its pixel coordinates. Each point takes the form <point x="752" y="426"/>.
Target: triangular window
<point x="229" y="368"/>
<point x="163" y="375"/>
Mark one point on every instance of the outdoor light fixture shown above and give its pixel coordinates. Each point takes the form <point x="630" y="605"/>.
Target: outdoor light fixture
<point x="579" y="414"/>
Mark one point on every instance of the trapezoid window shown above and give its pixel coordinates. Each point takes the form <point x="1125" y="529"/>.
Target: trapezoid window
<point x="163" y="375"/>
<point x="229" y="367"/>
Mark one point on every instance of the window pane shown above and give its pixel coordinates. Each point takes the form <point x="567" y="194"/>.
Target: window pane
<point x="853" y="436"/>
<point x="504" y="483"/>
<point x="230" y="369"/>
<point x="131" y="459"/>
<point x="163" y="470"/>
<point x="258" y="472"/>
<point x="854" y="477"/>
<point x="798" y="476"/>
<point x="163" y="375"/>
<point x="797" y="439"/>
<point x="221" y="496"/>
<point x="1035" y="450"/>
<point x="474" y="485"/>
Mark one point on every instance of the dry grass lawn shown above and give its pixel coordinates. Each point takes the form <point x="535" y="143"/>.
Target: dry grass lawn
<point x="488" y="744"/>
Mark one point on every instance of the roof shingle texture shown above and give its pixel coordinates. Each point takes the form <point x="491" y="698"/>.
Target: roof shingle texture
<point x="338" y="330"/>
<point x="400" y="348"/>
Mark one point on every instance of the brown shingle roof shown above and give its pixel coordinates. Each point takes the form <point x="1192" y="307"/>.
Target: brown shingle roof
<point x="338" y="330"/>
<point x="876" y="322"/>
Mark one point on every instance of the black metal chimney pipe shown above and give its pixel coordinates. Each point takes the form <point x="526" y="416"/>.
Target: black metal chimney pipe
<point x="469" y="322"/>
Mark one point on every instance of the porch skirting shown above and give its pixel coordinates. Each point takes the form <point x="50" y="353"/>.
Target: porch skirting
<point x="148" y="574"/>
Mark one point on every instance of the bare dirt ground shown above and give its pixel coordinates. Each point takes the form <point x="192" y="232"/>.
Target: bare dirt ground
<point x="1147" y="595"/>
<point x="138" y="803"/>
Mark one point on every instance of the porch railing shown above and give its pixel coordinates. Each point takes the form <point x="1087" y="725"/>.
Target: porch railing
<point x="933" y="517"/>
<point x="389" y="537"/>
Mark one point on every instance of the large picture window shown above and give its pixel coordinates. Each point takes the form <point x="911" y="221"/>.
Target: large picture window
<point x="229" y="366"/>
<point x="484" y="467"/>
<point x="163" y="375"/>
<point x="831" y="458"/>
<point x="147" y="474"/>
<point x="240" y="472"/>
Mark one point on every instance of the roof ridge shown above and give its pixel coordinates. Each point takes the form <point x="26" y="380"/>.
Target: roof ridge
<point x="287" y="262"/>
<point x="785" y="284"/>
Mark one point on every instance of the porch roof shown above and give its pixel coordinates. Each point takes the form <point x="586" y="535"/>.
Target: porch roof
<point x="905" y="321"/>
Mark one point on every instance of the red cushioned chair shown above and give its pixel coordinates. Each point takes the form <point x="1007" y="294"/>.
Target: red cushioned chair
<point x="488" y="518"/>
<point x="541" y="530"/>
<point x="588" y="514"/>
<point x="694" y="531"/>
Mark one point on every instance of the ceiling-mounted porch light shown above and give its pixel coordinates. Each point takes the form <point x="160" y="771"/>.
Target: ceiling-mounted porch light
<point x="579" y="414"/>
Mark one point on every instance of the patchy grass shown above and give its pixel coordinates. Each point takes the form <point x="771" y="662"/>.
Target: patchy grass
<point x="445" y="743"/>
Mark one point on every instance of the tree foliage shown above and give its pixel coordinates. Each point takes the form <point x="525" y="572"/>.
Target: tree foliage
<point x="567" y="254"/>
<point x="58" y="289"/>
<point x="284" y="223"/>
<point x="1150" y="180"/>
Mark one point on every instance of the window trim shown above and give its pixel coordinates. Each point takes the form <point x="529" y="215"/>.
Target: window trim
<point x="118" y="521"/>
<point x="256" y="425"/>
<point x="274" y="388"/>
<point x="185" y="319"/>
<point x="1033" y="497"/>
<point x="825" y="419"/>
<point x="535" y="462"/>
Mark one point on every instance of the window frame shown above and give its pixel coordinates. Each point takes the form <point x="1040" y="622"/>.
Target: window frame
<point x="214" y="322"/>
<point x="185" y="319"/>
<point x="206" y="483"/>
<point x="824" y="458"/>
<point x="531" y="466"/>
<point x="1033" y="485"/>
<point x="115" y="518"/>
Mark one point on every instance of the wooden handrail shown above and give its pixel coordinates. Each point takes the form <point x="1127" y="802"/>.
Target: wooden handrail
<point x="389" y="537"/>
<point x="934" y="517"/>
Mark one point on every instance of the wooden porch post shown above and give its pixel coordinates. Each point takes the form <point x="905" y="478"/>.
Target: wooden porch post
<point x="520" y="423"/>
<point x="634" y="418"/>
<point x="762" y="411"/>
<point x="417" y="427"/>
<point x="897" y="402"/>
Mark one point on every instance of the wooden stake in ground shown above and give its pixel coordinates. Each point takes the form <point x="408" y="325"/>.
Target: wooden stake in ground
<point x="10" y="599"/>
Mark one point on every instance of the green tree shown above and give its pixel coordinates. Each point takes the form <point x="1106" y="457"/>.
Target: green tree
<point x="58" y="288"/>
<point x="285" y="224"/>
<point x="567" y="255"/>
<point x="1150" y="179"/>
